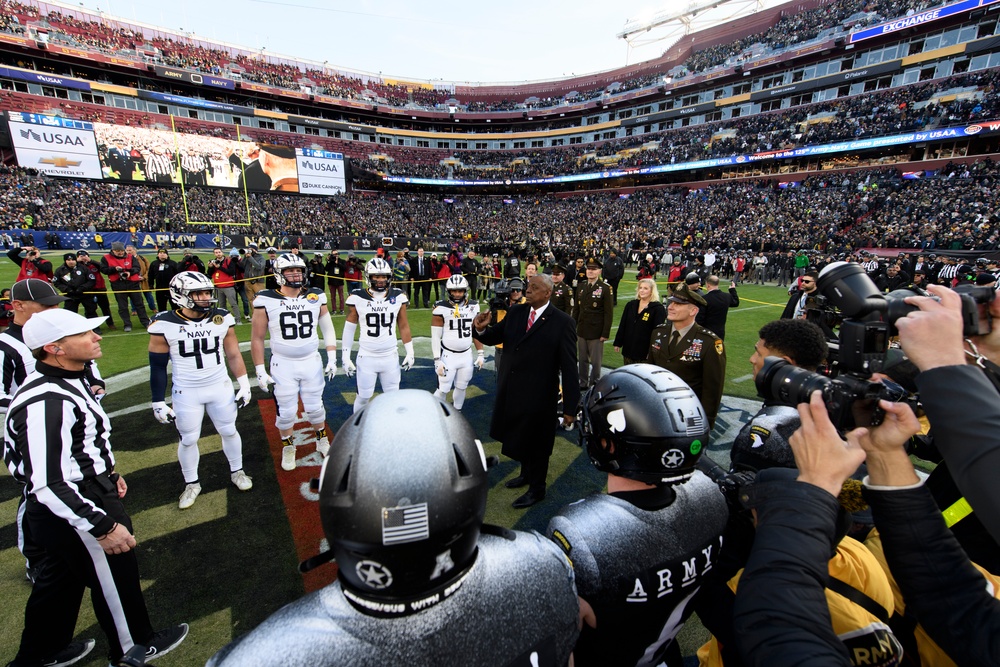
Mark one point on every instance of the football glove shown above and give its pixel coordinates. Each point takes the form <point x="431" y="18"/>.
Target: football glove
<point x="349" y="367"/>
<point x="163" y="414"/>
<point x="439" y="367"/>
<point x="480" y="360"/>
<point x="263" y="379"/>
<point x="243" y="395"/>
<point x="408" y="359"/>
<point x="331" y="366"/>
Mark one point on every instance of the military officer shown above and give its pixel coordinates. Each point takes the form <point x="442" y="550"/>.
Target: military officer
<point x="691" y="351"/>
<point x="593" y="310"/>
<point x="562" y="295"/>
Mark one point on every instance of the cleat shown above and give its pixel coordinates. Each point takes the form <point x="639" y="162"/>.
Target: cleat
<point x="241" y="480"/>
<point x="323" y="446"/>
<point x="166" y="640"/>
<point x="288" y="457"/>
<point x="189" y="495"/>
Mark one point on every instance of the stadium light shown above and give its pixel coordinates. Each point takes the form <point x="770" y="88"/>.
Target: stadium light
<point x="677" y="22"/>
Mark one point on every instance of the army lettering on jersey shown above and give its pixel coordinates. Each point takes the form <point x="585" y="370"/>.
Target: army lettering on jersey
<point x="377" y="319"/>
<point x="292" y="321"/>
<point x="456" y="334"/>
<point x="196" y="349"/>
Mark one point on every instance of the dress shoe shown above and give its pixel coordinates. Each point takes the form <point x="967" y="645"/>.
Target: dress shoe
<point x="516" y="483"/>
<point x="527" y="500"/>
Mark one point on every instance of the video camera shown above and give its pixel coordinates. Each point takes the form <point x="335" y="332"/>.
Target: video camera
<point x="502" y="296"/>
<point x="866" y="318"/>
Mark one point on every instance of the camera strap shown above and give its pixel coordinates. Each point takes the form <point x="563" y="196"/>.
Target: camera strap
<point x="859" y="598"/>
<point x="991" y="369"/>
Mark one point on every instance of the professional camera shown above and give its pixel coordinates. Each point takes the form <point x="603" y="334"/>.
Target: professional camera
<point x="501" y="297"/>
<point x="850" y="400"/>
<point x="731" y="484"/>
<point x="867" y="318"/>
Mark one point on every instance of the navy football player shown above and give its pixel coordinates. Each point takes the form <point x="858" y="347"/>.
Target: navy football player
<point x="292" y="314"/>
<point x="198" y="340"/>
<point x="379" y="310"/>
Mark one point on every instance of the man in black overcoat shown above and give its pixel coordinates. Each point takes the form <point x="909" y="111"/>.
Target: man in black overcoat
<point x="528" y="382"/>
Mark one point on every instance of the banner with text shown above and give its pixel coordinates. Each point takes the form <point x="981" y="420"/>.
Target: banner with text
<point x="53" y="145"/>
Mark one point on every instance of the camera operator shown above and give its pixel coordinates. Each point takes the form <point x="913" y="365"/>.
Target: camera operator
<point x="959" y="398"/>
<point x="942" y="590"/>
<point x="508" y="293"/>
<point x="763" y="441"/>
<point x="32" y="264"/>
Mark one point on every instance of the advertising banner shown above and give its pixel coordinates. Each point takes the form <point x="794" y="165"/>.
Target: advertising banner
<point x="194" y="77"/>
<point x="921" y="18"/>
<point x="320" y="172"/>
<point x="43" y="78"/>
<point x="53" y="145"/>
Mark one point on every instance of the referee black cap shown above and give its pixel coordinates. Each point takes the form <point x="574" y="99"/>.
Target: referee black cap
<point x="33" y="289"/>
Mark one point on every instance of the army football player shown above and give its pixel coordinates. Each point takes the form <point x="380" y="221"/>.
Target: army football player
<point x="194" y="338"/>
<point x="451" y="340"/>
<point x="379" y="309"/>
<point x="292" y="314"/>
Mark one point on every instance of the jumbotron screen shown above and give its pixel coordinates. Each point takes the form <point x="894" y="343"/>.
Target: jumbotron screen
<point x="78" y="149"/>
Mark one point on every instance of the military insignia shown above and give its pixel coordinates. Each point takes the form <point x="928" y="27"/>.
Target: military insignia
<point x="217" y="319"/>
<point x="672" y="458"/>
<point x="561" y="540"/>
<point x="312" y="297"/>
<point x="595" y="305"/>
<point x="374" y="574"/>
<point x="597" y="292"/>
<point x="718" y="347"/>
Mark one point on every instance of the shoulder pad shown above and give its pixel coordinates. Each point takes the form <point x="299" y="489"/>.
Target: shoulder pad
<point x="168" y="316"/>
<point x="315" y="290"/>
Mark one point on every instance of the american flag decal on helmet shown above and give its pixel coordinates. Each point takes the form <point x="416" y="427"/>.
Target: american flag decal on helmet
<point x="405" y="524"/>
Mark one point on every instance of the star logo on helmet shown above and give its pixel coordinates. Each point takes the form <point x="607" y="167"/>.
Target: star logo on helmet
<point x="672" y="458"/>
<point x="374" y="574"/>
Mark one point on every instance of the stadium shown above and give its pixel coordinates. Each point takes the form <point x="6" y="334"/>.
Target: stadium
<point x="829" y="126"/>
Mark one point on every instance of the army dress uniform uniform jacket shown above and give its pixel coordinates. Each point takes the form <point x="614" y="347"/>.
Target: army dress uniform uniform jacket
<point x="699" y="359"/>
<point x="562" y="297"/>
<point x="593" y="310"/>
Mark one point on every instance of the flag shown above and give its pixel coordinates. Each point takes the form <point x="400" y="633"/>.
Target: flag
<point x="404" y="524"/>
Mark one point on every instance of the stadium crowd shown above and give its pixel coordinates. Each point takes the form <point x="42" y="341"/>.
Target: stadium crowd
<point x="871" y="208"/>
<point x="107" y="37"/>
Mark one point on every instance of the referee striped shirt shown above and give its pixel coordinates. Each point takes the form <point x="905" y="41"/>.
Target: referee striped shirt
<point x="16" y="363"/>
<point x="57" y="437"/>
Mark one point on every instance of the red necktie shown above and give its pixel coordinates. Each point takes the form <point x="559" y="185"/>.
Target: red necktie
<point x="531" y="318"/>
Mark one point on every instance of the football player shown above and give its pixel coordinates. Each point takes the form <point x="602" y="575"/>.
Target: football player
<point x="641" y="551"/>
<point x="292" y="314"/>
<point x="199" y="340"/>
<point x="421" y="580"/>
<point x="380" y="309"/>
<point x="451" y="340"/>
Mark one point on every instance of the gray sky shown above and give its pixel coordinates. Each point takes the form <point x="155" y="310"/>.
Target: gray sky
<point x="517" y="40"/>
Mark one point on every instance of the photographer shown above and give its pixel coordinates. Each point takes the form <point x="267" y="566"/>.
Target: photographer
<point x="959" y="398"/>
<point x="942" y="590"/>
<point x="125" y="276"/>
<point x="797" y="301"/>
<point x="763" y="441"/>
<point x="32" y="264"/>
<point x="222" y="271"/>
<point x="75" y="281"/>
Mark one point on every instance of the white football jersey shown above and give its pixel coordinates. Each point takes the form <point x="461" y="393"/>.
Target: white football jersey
<point x="457" y="332"/>
<point x="377" y="319"/>
<point x="196" y="350"/>
<point x="292" y="321"/>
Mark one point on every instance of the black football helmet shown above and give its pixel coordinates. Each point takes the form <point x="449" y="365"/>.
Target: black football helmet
<point x="403" y="516"/>
<point x="645" y="423"/>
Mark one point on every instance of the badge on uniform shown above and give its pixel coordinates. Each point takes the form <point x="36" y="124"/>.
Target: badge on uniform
<point x="597" y="293"/>
<point x="718" y="347"/>
<point x="312" y="297"/>
<point x="217" y="319"/>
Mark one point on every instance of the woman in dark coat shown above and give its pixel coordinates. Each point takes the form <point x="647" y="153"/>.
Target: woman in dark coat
<point x="640" y="317"/>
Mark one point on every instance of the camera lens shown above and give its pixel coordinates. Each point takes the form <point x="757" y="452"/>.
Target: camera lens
<point x="780" y="382"/>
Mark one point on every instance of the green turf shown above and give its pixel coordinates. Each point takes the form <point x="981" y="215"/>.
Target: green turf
<point x="229" y="562"/>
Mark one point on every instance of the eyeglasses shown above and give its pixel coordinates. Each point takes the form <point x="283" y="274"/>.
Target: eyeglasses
<point x="808" y="282"/>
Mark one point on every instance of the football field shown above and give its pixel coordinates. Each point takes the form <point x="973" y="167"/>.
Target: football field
<point x="229" y="561"/>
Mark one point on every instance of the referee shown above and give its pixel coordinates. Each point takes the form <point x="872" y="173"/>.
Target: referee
<point x="57" y="435"/>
